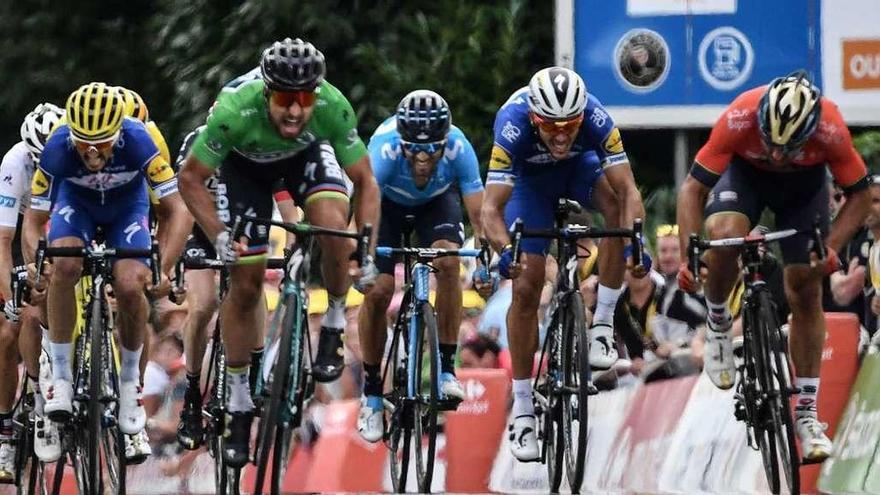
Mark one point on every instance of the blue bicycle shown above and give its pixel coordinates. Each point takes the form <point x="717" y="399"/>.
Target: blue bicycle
<point x="413" y="365"/>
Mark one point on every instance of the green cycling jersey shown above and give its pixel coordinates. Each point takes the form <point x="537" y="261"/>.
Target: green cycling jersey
<point x="239" y="123"/>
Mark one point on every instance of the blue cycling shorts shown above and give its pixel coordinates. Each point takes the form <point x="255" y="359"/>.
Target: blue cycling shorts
<point x="538" y="188"/>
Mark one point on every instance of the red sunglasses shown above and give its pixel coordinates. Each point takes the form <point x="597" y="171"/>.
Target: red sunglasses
<point x="101" y="147"/>
<point x="287" y="98"/>
<point x="558" y="126"/>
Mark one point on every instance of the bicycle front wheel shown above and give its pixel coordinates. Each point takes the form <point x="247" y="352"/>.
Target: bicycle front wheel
<point x="95" y="407"/>
<point x="428" y="397"/>
<point x="548" y="403"/>
<point x="576" y="363"/>
<point x="780" y="403"/>
<point x="398" y="421"/>
<point x="758" y="360"/>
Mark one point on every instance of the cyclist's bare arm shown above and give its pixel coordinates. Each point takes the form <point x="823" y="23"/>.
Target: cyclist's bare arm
<point x="689" y="210"/>
<point x="621" y="179"/>
<point x="473" y="203"/>
<point x="849" y="219"/>
<point x="174" y="227"/>
<point x="492" y="215"/>
<point x="7" y="235"/>
<point x="367" y="195"/>
<point x="290" y="214"/>
<point x="32" y="230"/>
<point x="191" y="183"/>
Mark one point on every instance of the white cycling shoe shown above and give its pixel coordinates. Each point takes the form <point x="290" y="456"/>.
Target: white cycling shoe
<point x="524" y="438"/>
<point x="814" y="443"/>
<point x="371" y="421"/>
<point x="47" y="441"/>
<point x="603" y="352"/>
<point x="450" y="387"/>
<point x="59" y="401"/>
<point x="718" y="361"/>
<point x="132" y="415"/>
<point x="137" y="448"/>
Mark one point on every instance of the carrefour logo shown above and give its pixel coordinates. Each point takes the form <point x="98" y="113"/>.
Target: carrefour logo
<point x="726" y="58"/>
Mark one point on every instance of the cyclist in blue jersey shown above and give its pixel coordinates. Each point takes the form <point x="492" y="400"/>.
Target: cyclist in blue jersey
<point x="422" y="164"/>
<point x="552" y="140"/>
<point x="92" y="173"/>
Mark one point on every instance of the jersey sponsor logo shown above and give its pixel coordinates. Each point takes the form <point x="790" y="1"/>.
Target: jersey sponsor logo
<point x="353" y="138"/>
<point x="612" y="160"/>
<point x="389" y="152"/>
<point x="166" y="189"/>
<point x="66" y="212"/>
<point x="246" y="112"/>
<point x="599" y="117"/>
<point x="500" y="160"/>
<point x="510" y="132"/>
<point x="613" y="143"/>
<point x="214" y="145"/>
<point x="40" y="183"/>
<point x="739" y="119"/>
<point x="731" y="196"/>
<point x="7" y="179"/>
<point x="7" y="201"/>
<point x="159" y="171"/>
<point x="453" y="149"/>
<point x="131" y="230"/>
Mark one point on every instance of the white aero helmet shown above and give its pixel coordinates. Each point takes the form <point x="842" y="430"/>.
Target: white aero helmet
<point x="557" y="93"/>
<point x="789" y="111"/>
<point x="37" y="126"/>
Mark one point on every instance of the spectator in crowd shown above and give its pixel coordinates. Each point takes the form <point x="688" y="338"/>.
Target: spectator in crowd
<point x="479" y="351"/>
<point x="163" y="391"/>
<point x="873" y="223"/>
<point x="668" y="253"/>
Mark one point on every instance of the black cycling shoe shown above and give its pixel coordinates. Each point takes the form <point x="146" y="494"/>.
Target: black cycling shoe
<point x="330" y="361"/>
<point x="191" y="430"/>
<point x="237" y="438"/>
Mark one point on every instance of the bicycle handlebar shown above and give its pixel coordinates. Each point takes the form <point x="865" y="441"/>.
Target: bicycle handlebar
<point x="428" y="253"/>
<point x="363" y="237"/>
<point x="575" y="232"/>
<point x="92" y="253"/>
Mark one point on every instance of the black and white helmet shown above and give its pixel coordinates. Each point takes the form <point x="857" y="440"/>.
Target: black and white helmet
<point x="423" y="117"/>
<point x="37" y="125"/>
<point x="292" y="65"/>
<point x="557" y="93"/>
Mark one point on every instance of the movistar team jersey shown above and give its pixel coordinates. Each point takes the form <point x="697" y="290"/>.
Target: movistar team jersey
<point x="518" y="147"/>
<point x="239" y="123"/>
<point x="135" y="158"/>
<point x="393" y="172"/>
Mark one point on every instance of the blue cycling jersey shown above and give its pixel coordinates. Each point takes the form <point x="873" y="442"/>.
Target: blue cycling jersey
<point x="135" y="157"/>
<point x="393" y="173"/>
<point x="518" y="149"/>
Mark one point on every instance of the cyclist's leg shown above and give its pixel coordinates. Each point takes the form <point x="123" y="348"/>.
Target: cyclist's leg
<point x="439" y="225"/>
<point x="589" y="186"/>
<point x="807" y="199"/>
<point x="734" y="204"/>
<point x="130" y="229"/>
<point x="71" y="225"/>
<point x="8" y="386"/>
<point x="325" y="200"/>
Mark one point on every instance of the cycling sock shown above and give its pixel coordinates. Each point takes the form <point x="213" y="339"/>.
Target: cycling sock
<point x="718" y="317"/>
<point x="372" y="379"/>
<point x="239" y="390"/>
<point x="256" y="366"/>
<point x="62" y="367"/>
<point x="193" y="387"/>
<point x="808" y="398"/>
<point x="335" y="315"/>
<point x="45" y="343"/>
<point x="522" y="398"/>
<point x="606" y="300"/>
<point x="447" y="358"/>
<point x="131" y="360"/>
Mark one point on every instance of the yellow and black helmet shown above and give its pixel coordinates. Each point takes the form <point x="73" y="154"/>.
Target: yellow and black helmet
<point x="790" y="110"/>
<point x="135" y="106"/>
<point x="94" y="112"/>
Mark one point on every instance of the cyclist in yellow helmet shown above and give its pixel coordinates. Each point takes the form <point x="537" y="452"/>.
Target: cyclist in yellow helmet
<point x="88" y="179"/>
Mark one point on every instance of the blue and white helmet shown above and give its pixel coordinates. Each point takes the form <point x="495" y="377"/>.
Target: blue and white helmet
<point x="423" y="117"/>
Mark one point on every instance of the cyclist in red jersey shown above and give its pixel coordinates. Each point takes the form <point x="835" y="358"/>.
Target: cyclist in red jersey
<point x="770" y="149"/>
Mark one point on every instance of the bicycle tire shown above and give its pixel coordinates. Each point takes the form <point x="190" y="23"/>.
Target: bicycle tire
<point x="425" y="410"/>
<point x="577" y="375"/>
<point x="399" y="432"/>
<point x="781" y="400"/>
<point x="552" y="434"/>
<point x="271" y="415"/>
<point x="27" y="465"/>
<point x="114" y="439"/>
<point x="94" y="407"/>
<point x="762" y="418"/>
<point x="217" y="397"/>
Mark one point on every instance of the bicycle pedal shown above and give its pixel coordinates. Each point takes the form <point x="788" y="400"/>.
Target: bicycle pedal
<point x="807" y="462"/>
<point x="448" y="404"/>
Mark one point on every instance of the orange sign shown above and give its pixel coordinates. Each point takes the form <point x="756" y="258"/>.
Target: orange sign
<point x="861" y="64"/>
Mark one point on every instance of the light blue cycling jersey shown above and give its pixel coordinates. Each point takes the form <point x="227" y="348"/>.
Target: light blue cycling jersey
<point x="393" y="172"/>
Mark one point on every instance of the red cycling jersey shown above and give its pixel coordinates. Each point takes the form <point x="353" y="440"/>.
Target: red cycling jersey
<point x="737" y="133"/>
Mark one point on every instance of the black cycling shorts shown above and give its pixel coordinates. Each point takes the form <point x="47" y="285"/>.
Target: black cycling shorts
<point x="438" y="219"/>
<point x="796" y="198"/>
<point x="247" y="187"/>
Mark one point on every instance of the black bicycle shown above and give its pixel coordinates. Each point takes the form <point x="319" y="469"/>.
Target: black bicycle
<point x="290" y="382"/>
<point x="91" y="438"/>
<point x="564" y="384"/>
<point x="413" y="367"/>
<point x="29" y="470"/>
<point x="764" y="388"/>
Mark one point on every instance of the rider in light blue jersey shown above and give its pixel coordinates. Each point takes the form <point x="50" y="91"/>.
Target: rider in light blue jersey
<point x="422" y="164"/>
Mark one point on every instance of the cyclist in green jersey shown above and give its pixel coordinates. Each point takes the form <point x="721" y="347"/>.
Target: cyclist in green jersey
<point x="285" y="122"/>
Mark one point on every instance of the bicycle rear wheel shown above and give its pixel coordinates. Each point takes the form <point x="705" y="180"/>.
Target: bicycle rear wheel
<point x="576" y="363"/>
<point x="780" y="403"/>
<point x="399" y="422"/>
<point x="427" y="405"/>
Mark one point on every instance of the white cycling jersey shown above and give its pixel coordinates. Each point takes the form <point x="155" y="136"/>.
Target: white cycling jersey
<point x="16" y="172"/>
